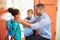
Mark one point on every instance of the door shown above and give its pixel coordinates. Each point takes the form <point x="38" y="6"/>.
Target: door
<point x="50" y="9"/>
<point x="3" y="31"/>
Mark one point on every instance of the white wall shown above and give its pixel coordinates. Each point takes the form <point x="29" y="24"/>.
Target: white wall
<point x="26" y="4"/>
<point x="58" y="22"/>
<point x="23" y="6"/>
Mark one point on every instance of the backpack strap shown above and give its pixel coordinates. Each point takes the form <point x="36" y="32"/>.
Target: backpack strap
<point x="16" y="30"/>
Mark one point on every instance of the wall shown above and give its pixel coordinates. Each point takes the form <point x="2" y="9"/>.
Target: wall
<point x="3" y="3"/>
<point x="58" y="22"/>
<point x="23" y="6"/>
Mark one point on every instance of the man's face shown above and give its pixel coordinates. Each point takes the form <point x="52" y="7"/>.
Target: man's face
<point x="39" y="10"/>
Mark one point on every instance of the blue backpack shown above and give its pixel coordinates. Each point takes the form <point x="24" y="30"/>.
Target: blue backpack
<point x="13" y="28"/>
<point x="9" y="27"/>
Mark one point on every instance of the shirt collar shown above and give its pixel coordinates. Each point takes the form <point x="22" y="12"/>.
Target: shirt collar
<point x="42" y="16"/>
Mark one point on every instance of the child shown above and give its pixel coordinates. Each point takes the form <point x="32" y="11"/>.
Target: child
<point x="14" y="28"/>
<point x="28" y="32"/>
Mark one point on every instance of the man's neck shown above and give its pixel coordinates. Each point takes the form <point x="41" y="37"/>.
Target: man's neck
<point x="41" y="14"/>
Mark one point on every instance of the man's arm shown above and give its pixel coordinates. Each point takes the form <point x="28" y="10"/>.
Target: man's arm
<point x="34" y="26"/>
<point x="23" y="22"/>
<point x="32" y="20"/>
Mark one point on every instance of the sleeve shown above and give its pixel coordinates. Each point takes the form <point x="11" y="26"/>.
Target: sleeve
<point x="39" y="24"/>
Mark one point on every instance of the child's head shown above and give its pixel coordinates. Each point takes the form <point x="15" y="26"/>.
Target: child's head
<point x="29" y="13"/>
<point x="10" y="10"/>
<point x="14" y="12"/>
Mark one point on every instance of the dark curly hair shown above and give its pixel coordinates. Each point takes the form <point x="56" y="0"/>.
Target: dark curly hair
<point x="14" y="12"/>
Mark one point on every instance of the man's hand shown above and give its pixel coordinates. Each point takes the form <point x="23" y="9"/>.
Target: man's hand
<point x="18" y="20"/>
<point x="23" y="22"/>
<point x="27" y="20"/>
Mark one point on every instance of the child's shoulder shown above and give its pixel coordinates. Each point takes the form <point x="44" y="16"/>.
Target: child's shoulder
<point x="15" y="23"/>
<point x="9" y="20"/>
<point x="12" y="22"/>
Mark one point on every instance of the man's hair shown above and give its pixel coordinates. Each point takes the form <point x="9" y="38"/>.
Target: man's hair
<point x="40" y="5"/>
<point x="30" y="10"/>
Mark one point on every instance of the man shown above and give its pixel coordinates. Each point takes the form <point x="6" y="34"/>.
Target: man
<point x="41" y="22"/>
